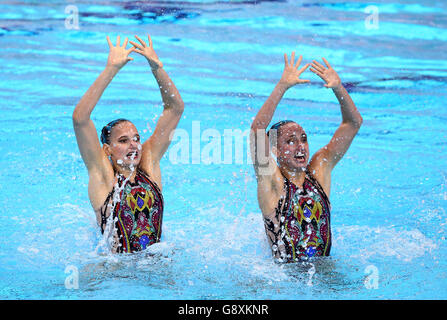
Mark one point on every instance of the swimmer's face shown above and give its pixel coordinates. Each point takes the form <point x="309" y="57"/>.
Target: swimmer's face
<point x="125" y="147"/>
<point x="292" y="148"/>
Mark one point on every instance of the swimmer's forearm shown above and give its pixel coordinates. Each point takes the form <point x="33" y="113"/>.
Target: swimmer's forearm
<point x="265" y="114"/>
<point x="169" y="93"/>
<point x="88" y="102"/>
<point x="349" y="111"/>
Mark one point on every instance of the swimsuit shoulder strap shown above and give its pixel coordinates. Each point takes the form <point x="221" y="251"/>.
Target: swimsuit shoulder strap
<point x="283" y="205"/>
<point x="315" y="182"/>
<point x="288" y="191"/>
<point x="103" y="211"/>
<point x="146" y="177"/>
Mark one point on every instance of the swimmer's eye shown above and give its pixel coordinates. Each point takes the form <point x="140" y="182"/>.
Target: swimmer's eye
<point x="304" y="138"/>
<point x="136" y="138"/>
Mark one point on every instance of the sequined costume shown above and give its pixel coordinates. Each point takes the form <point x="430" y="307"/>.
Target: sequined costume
<point x="301" y="226"/>
<point x="137" y="213"/>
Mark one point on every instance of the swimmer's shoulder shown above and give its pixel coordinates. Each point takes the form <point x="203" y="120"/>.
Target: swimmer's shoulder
<point x="153" y="172"/>
<point x="320" y="169"/>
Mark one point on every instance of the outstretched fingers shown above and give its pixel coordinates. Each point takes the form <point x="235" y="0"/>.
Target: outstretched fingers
<point x="318" y="66"/>
<point x="292" y="59"/>
<point x="300" y="71"/>
<point x="118" y="42"/>
<point x="303" y="68"/>
<point x="141" y="41"/>
<point x="327" y="63"/>
<point x="129" y="51"/>
<point x="136" y="45"/>
<point x="140" y="46"/>
<point x="317" y="72"/>
<point x="138" y="51"/>
<point x="109" y="42"/>
<point x="298" y="62"/>
<point x="125" y="43"/>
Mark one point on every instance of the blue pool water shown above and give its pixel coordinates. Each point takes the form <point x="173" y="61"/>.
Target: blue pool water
<point x="389" y="193"/>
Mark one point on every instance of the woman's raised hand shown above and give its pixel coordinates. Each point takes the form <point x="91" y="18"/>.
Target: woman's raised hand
<point x="291" y="74"/>
<point x="148" y="52"/>
<point x="326" y="73"/>
<point x="118" y="55"/>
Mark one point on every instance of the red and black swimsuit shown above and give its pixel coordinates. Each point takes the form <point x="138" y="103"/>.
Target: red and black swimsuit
<point x="301" y="227"/>
<point x="137" y="213"/>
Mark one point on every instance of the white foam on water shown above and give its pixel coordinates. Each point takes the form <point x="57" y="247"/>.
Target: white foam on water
<point x="165" y="249"/>
<point x="27" y="250"/>
<point x="217" y="241"/>
<point x="74" y="214"/>
<point x="58" y="236"/>
<point x="365" y="242"/>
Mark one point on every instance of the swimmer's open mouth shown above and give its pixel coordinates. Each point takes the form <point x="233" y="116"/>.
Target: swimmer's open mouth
<point x="300" y="156"/>
<point x="132" y="155"/>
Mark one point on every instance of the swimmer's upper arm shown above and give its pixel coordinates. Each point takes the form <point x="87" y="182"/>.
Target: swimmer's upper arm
<point x="268" y="176"/>
<point x="173" y="107"/>
<point x="269" y="192"/>
<point x="98" y="189"/>
<point x="155" y="147"/>
<point x="263" y="163"/>
<point x="91" y="152"/>
<point x="325" y="159"/>
<point x="340" y="142"/>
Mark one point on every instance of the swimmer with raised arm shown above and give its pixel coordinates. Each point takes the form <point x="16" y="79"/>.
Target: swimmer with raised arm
<point x="293" y="192"/>
<point x="124" y="173"/>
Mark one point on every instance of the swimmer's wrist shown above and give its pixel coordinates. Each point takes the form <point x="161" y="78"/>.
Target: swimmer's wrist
<point x="282" y="86"/>
<point x="156" y="68"/>
<point x="111" y="69"/>
<point x="338" y="87"/>
<point x="155" y="65"/>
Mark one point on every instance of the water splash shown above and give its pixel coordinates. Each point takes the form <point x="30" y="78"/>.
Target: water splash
<point x="109" y="239"/>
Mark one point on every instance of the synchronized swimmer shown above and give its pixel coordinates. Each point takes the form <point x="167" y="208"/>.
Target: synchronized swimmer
<point x="293" y="193"/>
<point x="124" y="174"/>
<point x="125" y="188"/>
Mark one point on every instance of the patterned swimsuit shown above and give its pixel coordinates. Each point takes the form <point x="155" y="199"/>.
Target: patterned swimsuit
<point x="137" y="213"/>
<point x="301" y="226"/>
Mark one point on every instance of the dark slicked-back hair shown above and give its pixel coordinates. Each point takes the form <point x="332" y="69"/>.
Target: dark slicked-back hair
<point x="276" y="127"/>
<point x="105" y="132"/>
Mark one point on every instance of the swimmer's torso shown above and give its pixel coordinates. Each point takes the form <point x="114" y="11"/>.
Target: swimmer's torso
<point x="300" y="227"/>
<point x="137" y="209"/>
